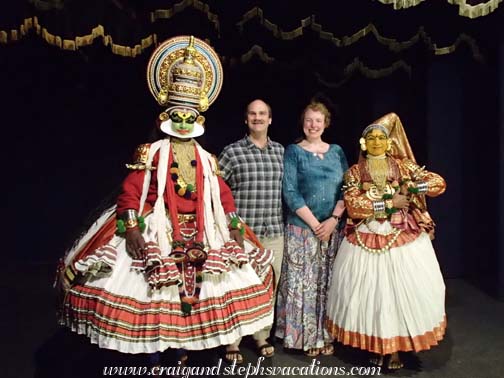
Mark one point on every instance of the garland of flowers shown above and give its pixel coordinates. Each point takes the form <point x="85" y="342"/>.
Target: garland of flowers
<point x="182" y="188"/>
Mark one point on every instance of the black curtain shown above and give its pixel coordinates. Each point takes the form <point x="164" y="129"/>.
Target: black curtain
<point x="75" y="102"/>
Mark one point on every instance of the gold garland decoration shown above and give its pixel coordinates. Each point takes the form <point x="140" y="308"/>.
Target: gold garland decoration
<point x="183" y="5"/>
<point x="17" y="34"/>
<point x="128" y="51"/>
<point x="465" y="10"/>
<point x="78" y="41"/>
<point x="370" y="73"/>
<point x="349" y="70"/>
<point x="47" y="5"/>
<point x="392" y="43"/>
<point x="99" y="30"/>
<point x="259" y="51"/>
<point x="478" y="10"/>
<point x="402" y="4"/>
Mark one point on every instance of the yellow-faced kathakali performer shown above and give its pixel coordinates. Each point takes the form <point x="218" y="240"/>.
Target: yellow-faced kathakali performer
<point x="387" y="293"/>
<point x="164" y="268"/>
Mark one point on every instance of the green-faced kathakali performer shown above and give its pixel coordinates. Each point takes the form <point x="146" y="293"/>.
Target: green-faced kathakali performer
<point x="168" y="266"/>
<point x="387" y="293"/>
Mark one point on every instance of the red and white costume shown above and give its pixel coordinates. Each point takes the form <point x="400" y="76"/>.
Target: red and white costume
<point x="134" y="306"/>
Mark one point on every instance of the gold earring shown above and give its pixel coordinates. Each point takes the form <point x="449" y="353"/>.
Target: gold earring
<point x="362" y="143"/>
<point x="162" y="97"/>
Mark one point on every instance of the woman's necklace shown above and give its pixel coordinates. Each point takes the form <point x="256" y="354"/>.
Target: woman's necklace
<point x="318" y="150"/>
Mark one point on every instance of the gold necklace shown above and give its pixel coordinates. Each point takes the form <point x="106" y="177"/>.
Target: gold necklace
<point x="378" y="170"/>
<point x="184" y="155"/>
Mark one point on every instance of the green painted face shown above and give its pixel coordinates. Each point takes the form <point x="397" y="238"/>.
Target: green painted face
<point x="182" y="121"/>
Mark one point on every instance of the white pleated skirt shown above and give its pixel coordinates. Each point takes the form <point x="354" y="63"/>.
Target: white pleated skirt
<point x="387" y="302"/>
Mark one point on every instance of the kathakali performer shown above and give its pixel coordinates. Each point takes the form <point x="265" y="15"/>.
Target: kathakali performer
<point x="165" y="267"/>
<point x="387" y="293"/>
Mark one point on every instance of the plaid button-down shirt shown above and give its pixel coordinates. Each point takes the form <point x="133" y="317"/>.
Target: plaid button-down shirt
<point x="255" y="178"/>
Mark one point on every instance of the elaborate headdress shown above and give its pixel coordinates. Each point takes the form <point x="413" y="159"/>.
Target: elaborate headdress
<point x="401" y="149"/>
<point x="391" y="125"/>
<point x="185" y="75"/>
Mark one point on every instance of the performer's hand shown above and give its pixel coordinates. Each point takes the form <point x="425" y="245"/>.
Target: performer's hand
<point x="404" y="189"/>
<point x="235" y="235"/>
<point x="325" y="229"/>
<point x="400" y="201"/>
<point x="135" y="243"/>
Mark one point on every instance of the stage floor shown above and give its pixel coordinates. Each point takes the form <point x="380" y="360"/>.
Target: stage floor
<point x="34" y="346"/>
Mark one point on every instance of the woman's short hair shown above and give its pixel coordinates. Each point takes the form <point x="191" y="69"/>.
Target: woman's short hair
<point x="317" y="107"/>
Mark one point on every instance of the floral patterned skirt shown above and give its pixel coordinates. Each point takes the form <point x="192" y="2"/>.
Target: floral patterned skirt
<point x="302" y="292"/>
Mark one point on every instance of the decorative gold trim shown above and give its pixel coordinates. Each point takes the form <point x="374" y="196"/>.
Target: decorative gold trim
<point x="16" y="34"/>
<point x="392" y="43"/>
<point x="47" y="5"/>
<point x="370" y="73"/>
<point x="478" y="10"/>
<point x="349" y="70"/>
<point x="384" y="346"/>
<point x="465" y="10"/>
<point x="86" y="40"/>
<point x="78" y="41"/>
<point x="471" y="11"/>
<point x="200" y="60"/>
<point x="402" y="4"/>
<point x="99" y="31"/>
<point x="259" y="51"/>
<point x="180" y="7"/>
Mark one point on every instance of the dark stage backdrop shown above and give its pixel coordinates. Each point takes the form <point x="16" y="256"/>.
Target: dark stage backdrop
<point x="75" y="102"/>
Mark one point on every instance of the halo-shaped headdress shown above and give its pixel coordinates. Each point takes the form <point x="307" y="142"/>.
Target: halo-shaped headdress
<point x="184" y="73"/>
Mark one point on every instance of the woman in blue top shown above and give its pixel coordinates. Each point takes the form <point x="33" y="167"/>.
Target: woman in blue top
<point x="313" y="175"/>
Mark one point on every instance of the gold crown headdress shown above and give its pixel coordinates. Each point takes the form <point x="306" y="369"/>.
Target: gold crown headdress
<point x="184" y="74"/>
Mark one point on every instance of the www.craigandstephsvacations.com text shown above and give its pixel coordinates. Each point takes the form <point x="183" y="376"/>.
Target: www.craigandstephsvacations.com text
<point x="248" y="370"/>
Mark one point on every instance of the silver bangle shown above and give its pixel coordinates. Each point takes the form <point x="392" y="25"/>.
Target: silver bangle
<point x="378" y="206"/>
<point x="232" y="215"/>
<point x="130" y="218"/>
<point x="422" y="187"/>
<point x="130" y="214"/>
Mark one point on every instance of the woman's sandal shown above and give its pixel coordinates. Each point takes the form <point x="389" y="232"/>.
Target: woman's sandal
<point x="233" y="355"/>
<point x="266" y="350"/>
<point x="312" y="352"/>
<point x="327" y="350"/>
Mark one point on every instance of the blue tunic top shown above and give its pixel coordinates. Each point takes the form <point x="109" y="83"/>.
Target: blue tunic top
<point x="313" y="182"/>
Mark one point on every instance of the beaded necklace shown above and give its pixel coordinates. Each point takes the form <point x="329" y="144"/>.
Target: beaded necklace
<point x="182" y="169"/>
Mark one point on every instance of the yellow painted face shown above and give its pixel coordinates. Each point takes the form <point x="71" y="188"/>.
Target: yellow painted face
<point x="182" y="121"/>
<point x="376" y="142"/>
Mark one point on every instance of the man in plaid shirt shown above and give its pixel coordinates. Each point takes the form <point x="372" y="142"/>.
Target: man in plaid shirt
<point x="253" y="168"/>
